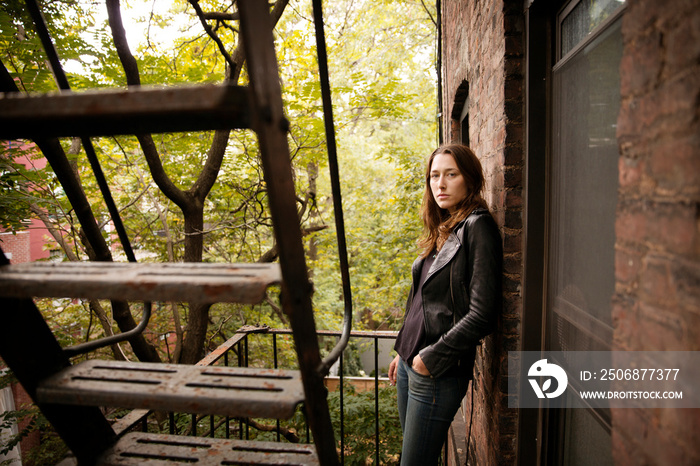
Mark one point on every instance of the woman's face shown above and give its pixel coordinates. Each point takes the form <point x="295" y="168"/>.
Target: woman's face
<point x="446" y="182"/>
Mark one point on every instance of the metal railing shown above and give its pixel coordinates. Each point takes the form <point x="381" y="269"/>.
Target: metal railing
<point x="237" y="351"/>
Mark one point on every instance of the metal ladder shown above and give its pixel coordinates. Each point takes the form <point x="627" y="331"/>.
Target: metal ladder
<point x="70" y="395"/>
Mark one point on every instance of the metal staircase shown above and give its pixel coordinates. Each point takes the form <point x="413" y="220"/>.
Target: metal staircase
<point x="70" y="395"/>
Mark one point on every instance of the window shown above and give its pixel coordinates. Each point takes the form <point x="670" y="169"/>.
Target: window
<point x="583" y="196"/>
<point x="582" y="199"/>
<point x="460" y="114"/>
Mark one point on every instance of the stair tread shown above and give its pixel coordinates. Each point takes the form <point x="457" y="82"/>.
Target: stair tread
<point x="179" y="282"/>
<point x="220" y="390"/>
<point x="129" y="111"/>
<point x="158" y="449"/>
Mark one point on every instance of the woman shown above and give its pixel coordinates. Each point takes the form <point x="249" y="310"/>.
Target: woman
<point x="454" y="302"/>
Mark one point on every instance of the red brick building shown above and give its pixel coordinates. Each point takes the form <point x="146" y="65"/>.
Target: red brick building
<point x="586" y="115"/>
<point x="30" y="244"/>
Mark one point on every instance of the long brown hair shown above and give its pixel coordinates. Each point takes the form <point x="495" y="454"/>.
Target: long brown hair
<point x="438" y="223"/>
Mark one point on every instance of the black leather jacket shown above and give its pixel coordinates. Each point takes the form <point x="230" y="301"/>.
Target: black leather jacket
<point x="462" y="295"/>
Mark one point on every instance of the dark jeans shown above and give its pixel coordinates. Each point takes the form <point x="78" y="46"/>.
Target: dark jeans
<point x="427" y="407"/>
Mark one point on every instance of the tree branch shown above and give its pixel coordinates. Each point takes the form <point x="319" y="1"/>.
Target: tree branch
<point x="55" y="234"/>
<point x="425" y="7"/>
<point x="277" y="310"/>
<point x="131" y="68"/>
<point x="212" y="34"/>
<point x="133" y="78"/>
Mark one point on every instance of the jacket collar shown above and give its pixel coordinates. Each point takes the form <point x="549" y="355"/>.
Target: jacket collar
<point x="444" y="256"/>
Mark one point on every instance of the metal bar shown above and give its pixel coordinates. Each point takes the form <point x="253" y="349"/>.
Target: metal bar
<point x="224" y="348"/>
<point x="245" y="353"/>
<point x="355" y="333"/>
<point x="335" y="188"/>
<point x="178" y="282"/>
<point x="62" y="80"/>
<point x="83" y="348"/>
<point x="240" y="364"/>
<point x="129" y="421"/>
<point x="272" y="127"/>
<point x="47" y="43"/>
<point x="376" y="398"/>
<point x="134" y="111"/>
<point x="274" y="356"/>
<point x="342" y="410"/>
<point x="109" y="200"/>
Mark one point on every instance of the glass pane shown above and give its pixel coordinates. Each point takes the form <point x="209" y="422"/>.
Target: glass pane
<point x="584" y="174"/>
<point x="586" y="441"/>
<point x="584" y="18"/>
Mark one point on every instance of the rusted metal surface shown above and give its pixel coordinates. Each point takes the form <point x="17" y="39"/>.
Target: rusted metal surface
<point x="218" y="353"/>
<point x="136" y="416"/>
<point x="180" y="282"/>
<point x="385" y="334"/>
<point x="271" y="126"/>
<point x="158" y="449"/>
<point x="130" y="421"/>
<point x="132" y="111"/>
<point x="225" y="391"/>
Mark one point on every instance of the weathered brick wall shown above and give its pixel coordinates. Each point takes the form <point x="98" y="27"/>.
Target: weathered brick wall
<point x="483" y="46"/>
<point x="657" y="300"/>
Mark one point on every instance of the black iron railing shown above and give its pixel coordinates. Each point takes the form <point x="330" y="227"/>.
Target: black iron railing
<point x="263" y="347"/>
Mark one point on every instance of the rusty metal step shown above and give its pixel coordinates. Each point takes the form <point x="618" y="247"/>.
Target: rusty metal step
<point x="157" y="449"/>
<point x="226" y="391"/>
<point x="132" y="111"/>
<point x="181" y="282"/>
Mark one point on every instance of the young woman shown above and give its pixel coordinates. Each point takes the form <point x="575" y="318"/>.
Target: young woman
<point x="454" y="302"/>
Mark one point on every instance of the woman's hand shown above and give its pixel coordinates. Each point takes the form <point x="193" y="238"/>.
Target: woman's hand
<point x="419" y="367"/>
<point x="392" y="370"/>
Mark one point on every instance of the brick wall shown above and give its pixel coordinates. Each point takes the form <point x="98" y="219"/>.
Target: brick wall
<point x="28" y="245"/>
<point x="18" y="245"/>
<point x="657" y="301"/>
<point x="483" y="47"/>
<point x="33" y="439"/>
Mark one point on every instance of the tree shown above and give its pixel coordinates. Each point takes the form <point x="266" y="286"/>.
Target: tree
<point x="200" y="196"/>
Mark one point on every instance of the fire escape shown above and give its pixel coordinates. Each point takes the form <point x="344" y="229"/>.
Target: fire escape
<point x="70" y="396"/>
